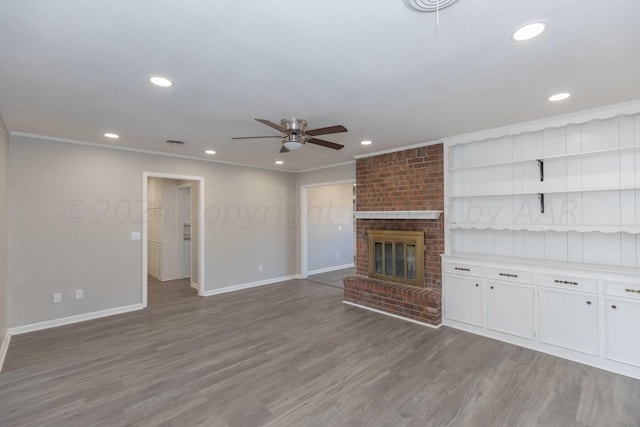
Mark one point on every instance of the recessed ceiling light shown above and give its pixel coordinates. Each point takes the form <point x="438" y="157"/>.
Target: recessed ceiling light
<point x="160" y="81"/>
<point x="112" y="135"/>
<point x="367" y="142"/>
<point x="210" y="152"/>
<point x="559" y="97"/>
<point x="529" y="31"/>
<point x="279" y="162"/>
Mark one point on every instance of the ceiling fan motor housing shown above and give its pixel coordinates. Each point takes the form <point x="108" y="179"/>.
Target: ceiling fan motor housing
<point x="294" y="125"/>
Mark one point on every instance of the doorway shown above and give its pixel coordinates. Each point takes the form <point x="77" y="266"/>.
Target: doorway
<point x="326" y="227"/>
<point x="173" y="230"/>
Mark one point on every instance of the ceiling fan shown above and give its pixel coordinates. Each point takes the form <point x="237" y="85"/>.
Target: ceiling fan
<point x="296" y="134"/>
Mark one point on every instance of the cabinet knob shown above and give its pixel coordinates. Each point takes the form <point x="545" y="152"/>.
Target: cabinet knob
<point x="477" y="285"/>
<point x="492" y="287"/>
<point x="614" y="306"/>
<point x="588" y="302"/>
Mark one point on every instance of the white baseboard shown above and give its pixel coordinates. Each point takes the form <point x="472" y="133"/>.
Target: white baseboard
<point x="4" y="348"/>
<point x="195" y="286"/>
<point x="17" y="330"/>
<point x="328" y="269"/>
<point x="393" y="315"/>
<point x="248" y="285"/>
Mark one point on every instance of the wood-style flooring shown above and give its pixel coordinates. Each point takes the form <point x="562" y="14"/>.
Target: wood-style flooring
<point x="333" y="278"/>
<point x="292" y="354"/>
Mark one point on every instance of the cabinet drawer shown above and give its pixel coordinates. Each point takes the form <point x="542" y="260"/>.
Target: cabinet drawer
<point x="510" y="275"/>
<point x="463" y="269"/>
<point x="622" y="289"/>
<point x="584" y="284"/>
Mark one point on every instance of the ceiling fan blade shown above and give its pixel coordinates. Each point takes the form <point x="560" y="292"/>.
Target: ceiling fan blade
<point x="284" y="150"/>
<point x="254" y="137"/>
<point x="271" y="124"/>
<point x="324" y="143"/>
<point x="327" y="130"/>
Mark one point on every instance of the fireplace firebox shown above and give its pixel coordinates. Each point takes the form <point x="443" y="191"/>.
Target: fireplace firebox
<point x="397" y="256"/>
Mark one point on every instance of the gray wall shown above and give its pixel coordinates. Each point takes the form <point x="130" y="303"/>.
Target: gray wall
<point x="4" y="166"/>
<point x="72" y="209"/>
<point x="330" y="226"/>
<point x="320" y="176"/>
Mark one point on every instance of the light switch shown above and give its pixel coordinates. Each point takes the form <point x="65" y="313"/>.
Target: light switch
<point x="135" y="235"/>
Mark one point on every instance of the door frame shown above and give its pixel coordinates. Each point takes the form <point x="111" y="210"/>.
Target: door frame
<point x="145" y="227"/>
<point x="180" y="229"/>
<point x="304" y="221"/>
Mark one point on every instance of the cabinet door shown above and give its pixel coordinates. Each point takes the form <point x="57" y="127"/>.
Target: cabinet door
<point x="569" y="320"/>
<point x="510" y="309"/>
<point x="463" y="300"/>
<point x="623" y="331"/>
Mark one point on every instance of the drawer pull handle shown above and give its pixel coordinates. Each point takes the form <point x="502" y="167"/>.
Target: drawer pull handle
<point x="508" y="275"/>
<point x="565" y="282"/>
<point x="461" y="269"/>
<point x="614" y="306"/>
<point x="636" y="291"/>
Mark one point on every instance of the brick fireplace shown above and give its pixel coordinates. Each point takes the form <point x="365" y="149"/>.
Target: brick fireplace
<point x="409" y="180"/>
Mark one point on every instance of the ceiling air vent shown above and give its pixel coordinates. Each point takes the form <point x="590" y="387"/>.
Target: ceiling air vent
<point x="428" y="5"/>
<point x="174" y="141"/>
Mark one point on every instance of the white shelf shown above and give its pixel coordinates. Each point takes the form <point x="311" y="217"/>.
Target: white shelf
<point x="553" y="157"/>
<point x="633" y="229"/>
<point x="543" y="191"/>
<point x="397" y="214"/>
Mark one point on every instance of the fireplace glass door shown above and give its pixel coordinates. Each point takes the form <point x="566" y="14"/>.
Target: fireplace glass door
<point x="394" y="256"/>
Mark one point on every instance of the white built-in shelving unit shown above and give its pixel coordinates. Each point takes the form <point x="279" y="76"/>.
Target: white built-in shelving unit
<point x="542" y="236"/>
<point x="567" y="193"/>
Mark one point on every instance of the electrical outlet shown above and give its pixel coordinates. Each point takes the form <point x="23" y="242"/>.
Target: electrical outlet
<point x="260" y="267"/>
<point x="79" y="293"/>
<point x="57" y="297"/>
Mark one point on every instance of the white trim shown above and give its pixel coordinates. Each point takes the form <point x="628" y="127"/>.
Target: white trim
<point x="145" y="228"/>
<point x="328" y="269"/>
<point x="396" y="149"/>
<point x="195" y="286"/>
<point x="249" y="285"/>
<point x="397" y="214"/>
<point x="4" y="348"/>
<point x="393" y="315"/>
<point x="304" y="224"/>
<point x="350" y="162"/>
<point x="73" y="319"/>
<point x="139" y="150"/>
<point x="601" y="113"/>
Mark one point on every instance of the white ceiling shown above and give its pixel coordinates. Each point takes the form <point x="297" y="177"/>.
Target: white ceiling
<point x="75" y="69"/>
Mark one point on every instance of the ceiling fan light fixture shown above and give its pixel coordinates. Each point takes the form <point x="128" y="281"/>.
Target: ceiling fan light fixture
<point x="292" y="142"/>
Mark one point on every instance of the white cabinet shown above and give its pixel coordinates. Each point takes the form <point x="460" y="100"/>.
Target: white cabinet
<point x="623" y="330"/>
<point x="587" y="315"/>
<point x="622" y="322"/>
<point x="511" y="309"/>
<point x="463" y="301"/>
<point x="568" y="320"/>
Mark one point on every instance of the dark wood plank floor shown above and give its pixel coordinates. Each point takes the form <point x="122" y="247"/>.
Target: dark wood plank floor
<point x="292" y="355"/>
